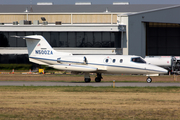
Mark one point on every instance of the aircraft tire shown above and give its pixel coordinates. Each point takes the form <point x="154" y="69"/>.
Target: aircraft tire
<point x="149" y="80"/>
<point x="87" y="80"/>
<point x="97" y="79"/>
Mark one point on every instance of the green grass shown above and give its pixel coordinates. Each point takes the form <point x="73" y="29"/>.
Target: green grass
<point x="91" y="89"/>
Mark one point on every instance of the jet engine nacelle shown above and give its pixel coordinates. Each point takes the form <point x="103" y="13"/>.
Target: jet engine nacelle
<point x="72" y="60"/>
<point x="163" y="61"/>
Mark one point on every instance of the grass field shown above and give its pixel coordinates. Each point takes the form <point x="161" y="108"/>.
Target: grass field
<point x="90" y="103"/>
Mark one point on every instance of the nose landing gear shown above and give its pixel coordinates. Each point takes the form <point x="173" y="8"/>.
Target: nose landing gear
<point x="149" y="80"/>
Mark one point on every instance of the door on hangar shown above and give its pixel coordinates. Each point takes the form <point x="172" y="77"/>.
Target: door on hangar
<point x="162" y="39"/>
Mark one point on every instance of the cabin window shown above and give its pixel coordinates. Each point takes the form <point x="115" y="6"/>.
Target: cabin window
<point x="138" y="60"/>
<point x="121" y="60"/>
<point x="114" y="60"/>
<point x="107" y="60"/>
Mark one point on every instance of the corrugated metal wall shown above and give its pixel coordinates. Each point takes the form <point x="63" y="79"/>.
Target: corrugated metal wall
<point x="11" y="18"/>
<point x="64" y="18"/>
<point x="163" y="39"/>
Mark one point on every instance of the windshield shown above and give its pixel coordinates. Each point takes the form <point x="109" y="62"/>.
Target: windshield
<point x="138" y="60"/>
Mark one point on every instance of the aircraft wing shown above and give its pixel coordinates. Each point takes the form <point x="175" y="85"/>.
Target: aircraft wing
<point x="78" y="68"/>
<point x="102" y="69"/>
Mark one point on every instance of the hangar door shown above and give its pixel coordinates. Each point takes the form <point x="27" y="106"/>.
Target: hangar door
<point x="162" y="39"/>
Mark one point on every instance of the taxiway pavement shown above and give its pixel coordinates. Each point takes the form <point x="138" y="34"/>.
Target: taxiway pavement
<point x="118" y="84"/>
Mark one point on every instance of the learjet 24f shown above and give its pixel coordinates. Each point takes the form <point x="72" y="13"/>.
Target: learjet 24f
<point x="42" y="53"/>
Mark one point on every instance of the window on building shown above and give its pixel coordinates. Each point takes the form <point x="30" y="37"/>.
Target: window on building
<point x="21" y="42"/>
<point x="54" y="36"/>
<point x="106" y="39"/>
<point x="12" y="40"/>
<point x="66" y="39"/>
<point x="89" y="41"/>
<point x="4" y="40"/>
<point x="97" y="39"/>
<point x="80" y="38"/>
<point x="63" y="39"/>
<point x="71" y="39"/>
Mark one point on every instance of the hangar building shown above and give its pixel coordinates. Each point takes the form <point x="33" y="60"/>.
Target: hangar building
<point x="84" y="28"/>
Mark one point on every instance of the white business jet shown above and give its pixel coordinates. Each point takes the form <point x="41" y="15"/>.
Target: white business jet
<point x="41" y="52"/>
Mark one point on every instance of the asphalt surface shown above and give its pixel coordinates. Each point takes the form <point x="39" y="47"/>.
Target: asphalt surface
<point x="19" y="83"/>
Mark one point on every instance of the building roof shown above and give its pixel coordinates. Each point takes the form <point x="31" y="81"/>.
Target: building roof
<point x="79" y="8"/>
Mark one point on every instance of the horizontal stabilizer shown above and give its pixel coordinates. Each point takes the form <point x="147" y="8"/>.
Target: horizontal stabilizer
<point x="27" y="37"/>
<point x="39" y="47"/>
<point x="78" y="68"/>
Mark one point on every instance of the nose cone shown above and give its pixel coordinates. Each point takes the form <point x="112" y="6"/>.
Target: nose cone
<point x="162" y="70"/>
<point x="156" y="70"/>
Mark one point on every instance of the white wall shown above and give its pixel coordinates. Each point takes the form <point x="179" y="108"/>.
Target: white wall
<point x="59" y="28"/>
<point x="124" y="21"/>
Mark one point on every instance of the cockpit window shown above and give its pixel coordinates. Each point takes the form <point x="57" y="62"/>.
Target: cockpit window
<point x="138" y="60"/>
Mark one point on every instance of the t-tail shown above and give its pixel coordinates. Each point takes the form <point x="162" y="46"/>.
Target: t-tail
<point x="40" y="51"/>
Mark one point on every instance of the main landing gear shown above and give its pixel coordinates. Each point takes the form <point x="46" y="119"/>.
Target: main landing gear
<point x="87" y="78"/>
<point x="149" y="80"/>
<point x="98" y="78"/>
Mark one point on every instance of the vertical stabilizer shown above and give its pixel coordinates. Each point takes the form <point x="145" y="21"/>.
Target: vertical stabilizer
<point x="38" y="46"/>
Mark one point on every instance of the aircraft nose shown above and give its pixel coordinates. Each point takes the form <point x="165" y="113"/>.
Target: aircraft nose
<point x="156" y="70"/>
<point x="162" y="70"/>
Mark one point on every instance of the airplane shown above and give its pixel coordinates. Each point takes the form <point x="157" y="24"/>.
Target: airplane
<point x="42" y="53"/>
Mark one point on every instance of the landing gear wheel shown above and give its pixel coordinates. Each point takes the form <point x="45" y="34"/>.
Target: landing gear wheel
<point x="87" y="80"/>
<point x="97" y="79"/>
<point x="149" y="80"/>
